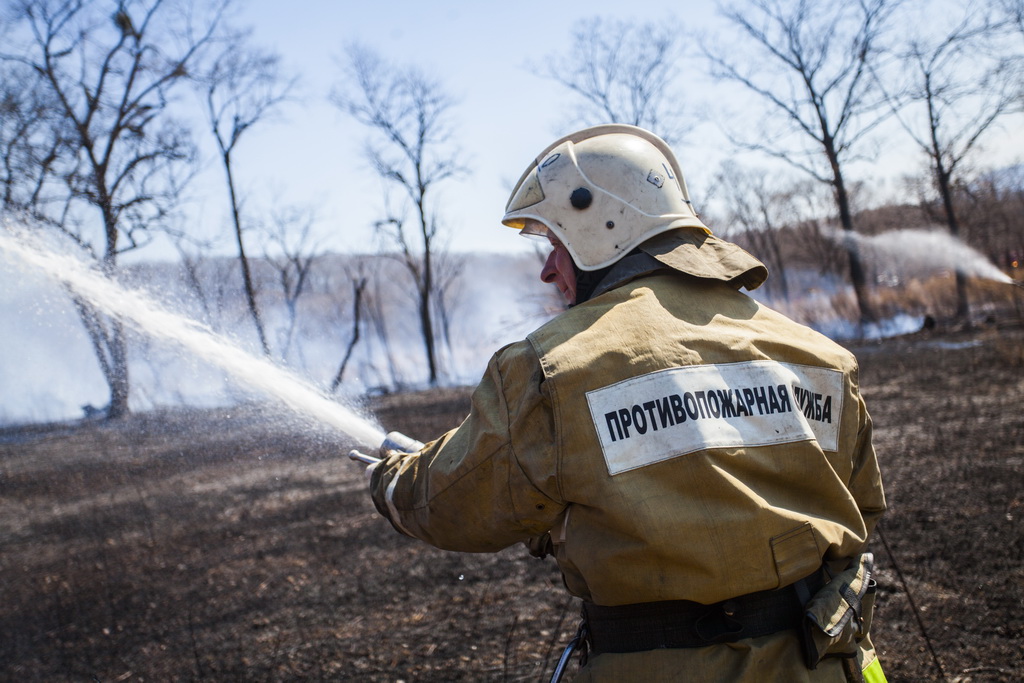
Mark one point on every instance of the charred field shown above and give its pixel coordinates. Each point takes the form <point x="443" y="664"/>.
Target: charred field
<point x="220" y="545"/>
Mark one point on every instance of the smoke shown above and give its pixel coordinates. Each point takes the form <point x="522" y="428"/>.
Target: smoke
<point x="49" y="371"/>
<point x="504" y="301"/>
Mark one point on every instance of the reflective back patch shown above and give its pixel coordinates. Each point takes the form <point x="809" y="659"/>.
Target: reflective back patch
<point x="673" y="412"/>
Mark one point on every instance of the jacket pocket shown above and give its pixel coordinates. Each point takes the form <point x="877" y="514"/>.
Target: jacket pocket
<point x="796" y="554"/>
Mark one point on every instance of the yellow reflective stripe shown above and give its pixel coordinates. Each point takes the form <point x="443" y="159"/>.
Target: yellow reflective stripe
<point x="873" y="672"/>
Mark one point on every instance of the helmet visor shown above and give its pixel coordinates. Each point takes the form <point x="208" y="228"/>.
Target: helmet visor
<point x="534" y="228"/>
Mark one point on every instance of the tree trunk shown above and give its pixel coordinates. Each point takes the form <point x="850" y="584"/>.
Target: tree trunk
<point x="111" y="353"/>
<point x="426" y="290"/>
<point x="942" y="176"/>
<point x="772" y="247"/>
<point x="357" y="294"/>
<point x="857" y="277"/>
<point x="427" y="326"/>
<point x="116" y="369"/>
<point x="250" y="290"/>
<point x="117" y="378"/>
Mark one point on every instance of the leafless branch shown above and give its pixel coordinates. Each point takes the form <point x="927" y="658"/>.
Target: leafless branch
<point x="623" y="73"/>
<point x="410" y="119"/>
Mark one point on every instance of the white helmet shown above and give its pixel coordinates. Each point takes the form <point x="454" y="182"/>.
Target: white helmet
<point x="602" y="191"/>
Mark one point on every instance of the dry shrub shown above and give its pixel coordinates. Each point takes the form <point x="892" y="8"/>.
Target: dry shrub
<point x="845" y="306"/>
<point x="817" y="308"/>
<point x="934" y="296"/>
<point x="990" y="302"/>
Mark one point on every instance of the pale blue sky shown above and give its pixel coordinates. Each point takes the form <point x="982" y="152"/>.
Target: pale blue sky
<point x="479" y="51"/>
<point x="506" y="114"/>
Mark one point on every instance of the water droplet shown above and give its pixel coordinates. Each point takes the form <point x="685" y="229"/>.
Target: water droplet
<point x="461" y="577"/>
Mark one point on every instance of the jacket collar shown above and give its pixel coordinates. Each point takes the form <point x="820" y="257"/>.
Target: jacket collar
<point x="705" y="256"/>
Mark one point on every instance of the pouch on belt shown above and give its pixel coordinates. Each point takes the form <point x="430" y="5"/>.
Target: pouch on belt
<point x="838" y="616"/>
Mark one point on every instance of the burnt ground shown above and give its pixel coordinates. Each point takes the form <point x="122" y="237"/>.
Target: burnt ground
<point x="222" y="545"/>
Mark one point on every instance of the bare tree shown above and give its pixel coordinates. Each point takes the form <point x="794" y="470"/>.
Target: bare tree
<point x="359" y="281"/>
<point x="111" y="70"/>
<point x="376" y="305"/>
<point x="760" y="208"/>
<point x="242" y="88"/>
<point x="623" y="72"/>
<point x="191" y="257"/>
<point x="412" y="151"/>
<point x="994" y="215"/>
<point x="1013" y="11"/>
<point x="954" y="92"/>
<point x="291" y="252"/>
<point x="30" y="138"/>
<point x="448" y="296"/>
<point x="808" y="62"/>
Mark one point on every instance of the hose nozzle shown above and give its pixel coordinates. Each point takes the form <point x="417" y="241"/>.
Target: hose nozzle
<point x="362" y="457"/>
<point x="396" y="441"/>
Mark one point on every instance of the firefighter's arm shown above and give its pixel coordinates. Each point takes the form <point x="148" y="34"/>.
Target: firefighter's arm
<point x="865" y="478"/>
<point x="489" y="483"/>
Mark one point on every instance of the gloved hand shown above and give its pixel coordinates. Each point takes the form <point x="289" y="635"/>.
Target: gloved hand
<point x="394" y="441"/>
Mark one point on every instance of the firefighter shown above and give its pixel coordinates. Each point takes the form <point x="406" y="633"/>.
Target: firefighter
<point x="700" y="467"/>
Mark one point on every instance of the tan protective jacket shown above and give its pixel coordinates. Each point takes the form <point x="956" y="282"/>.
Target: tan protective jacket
<point x="676" y="438"/>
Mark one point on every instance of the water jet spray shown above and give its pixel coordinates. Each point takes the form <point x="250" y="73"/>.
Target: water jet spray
<point x="138" y="310"/>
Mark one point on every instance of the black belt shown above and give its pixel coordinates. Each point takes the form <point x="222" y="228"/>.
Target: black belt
<point x="683" y="623"/>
